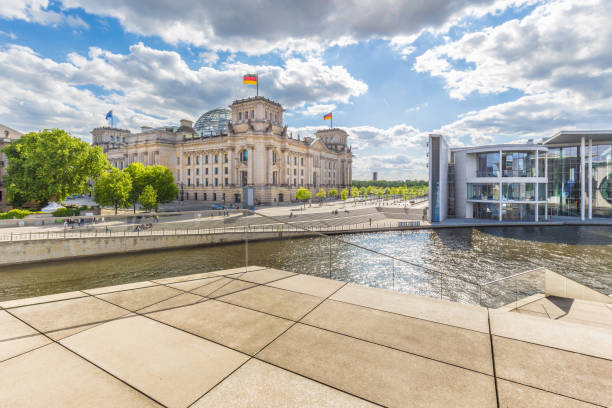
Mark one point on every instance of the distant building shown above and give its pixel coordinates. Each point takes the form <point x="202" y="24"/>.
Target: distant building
<point x="375" y="176"/>
<point x="569" y="174"/>
<point x="227" y="150"/>
<point x="7" y="135"/>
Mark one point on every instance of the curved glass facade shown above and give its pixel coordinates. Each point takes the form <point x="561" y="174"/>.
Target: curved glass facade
<point x="213" y="122"/>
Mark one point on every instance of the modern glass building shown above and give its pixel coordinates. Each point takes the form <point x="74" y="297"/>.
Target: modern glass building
<point x="580" y="174"/>
<point x="569" y="174"/>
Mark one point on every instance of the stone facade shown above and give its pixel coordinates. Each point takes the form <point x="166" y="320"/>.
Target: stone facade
<point x="7" y="135"/>
<point x="256" y="152"/>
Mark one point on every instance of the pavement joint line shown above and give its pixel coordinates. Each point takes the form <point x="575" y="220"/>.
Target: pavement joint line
<point x="493" y="357"/>
<point x="90" y="362"/>
<point x="552" y="392"/>
<point x="255" y="354"/>
<point x="44" y="303"/>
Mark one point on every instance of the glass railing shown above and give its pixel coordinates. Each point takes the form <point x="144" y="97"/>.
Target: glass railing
<point x="487" y="173"/>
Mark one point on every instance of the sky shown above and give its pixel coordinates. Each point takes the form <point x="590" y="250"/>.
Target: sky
<point x="391" y="71"/>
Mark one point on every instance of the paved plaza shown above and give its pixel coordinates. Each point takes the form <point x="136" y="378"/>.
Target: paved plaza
<point x="261" y="337"/>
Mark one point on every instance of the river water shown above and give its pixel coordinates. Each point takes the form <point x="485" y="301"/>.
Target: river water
<point x="475" y="254"/>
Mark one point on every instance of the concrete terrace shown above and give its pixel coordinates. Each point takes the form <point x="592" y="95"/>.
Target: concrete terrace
<point x="269" y="338"/>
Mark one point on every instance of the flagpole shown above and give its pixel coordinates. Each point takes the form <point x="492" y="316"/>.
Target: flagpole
<point x="331" y="121"/>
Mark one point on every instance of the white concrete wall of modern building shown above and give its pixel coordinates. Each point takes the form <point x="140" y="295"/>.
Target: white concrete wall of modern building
<point x="7" y="136"/>
<point x="466" y="174"/>
<point x="438" y="177"/>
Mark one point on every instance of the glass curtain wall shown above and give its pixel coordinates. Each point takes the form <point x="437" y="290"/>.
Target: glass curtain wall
<point x="602" y="180"/>
<point x="486" y="210"/>
<point x="518" y="192"/>
<point x="518" y="164"/>
<point x="564" y="181"/>
<point x="483" y="191"/>
<point x="488" y="164"/>
<point x="518" y="212"/>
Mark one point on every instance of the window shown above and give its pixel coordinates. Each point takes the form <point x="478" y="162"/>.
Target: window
<point x="239" y="115"/>
<point x="198" y="159"/>
<point x="244" y="155"/>
<point x="207" y="182"/>
<point x="189" y="160"/>
<point x="252" y="114"/>
<point x="518" y="191"/>
<point x="206" y="171"/>
<point x="274" y="157"/>
<point x="214" y="196"/>
<point x="479" y="191"/>
<point x="189" y="172"/>
<point x="216" y="182"/>
<point x="197" y="171"/>
<point x="112" y="139"/>
<point x="294" y="160"/>
<point x="225" y="158"/>
<point x="188" y="181"/>
<point x="225" y="171"/>
<point x="197" y="183"/>
<point x="204" y="197"/>
<point x="123" y="140"/>
<point x="206" y="159"/>
<point x="178" y="160"/>
<point x="216" y="158"/>
<point x="216" y="170"/>
<point x="301" y="172"/>
<point x="302" y="161"/>
<point x="226" y="181"/>
<point x="295" y="182"/>
<point x="195" y="196"/>
<point x="295" y="172"/>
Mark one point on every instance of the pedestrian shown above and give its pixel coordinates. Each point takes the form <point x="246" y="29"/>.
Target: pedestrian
<point x="107" y="229"/>
<point x="370" y="223"/>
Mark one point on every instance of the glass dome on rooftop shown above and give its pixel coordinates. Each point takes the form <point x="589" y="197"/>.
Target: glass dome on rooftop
<point x="213" y="122"/>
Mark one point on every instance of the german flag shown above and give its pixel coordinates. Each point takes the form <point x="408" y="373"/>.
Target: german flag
<point x="250" y="79"/>
<point x="328" y="116"/>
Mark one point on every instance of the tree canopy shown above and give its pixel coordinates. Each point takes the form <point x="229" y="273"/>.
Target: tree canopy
<point x="113" y="189"/>
<point x="344" y="194"/>
<point x="321" y="194"/>
<point x="303" y="194"/>
<point x="332" y="192"/>
<point x="49" y="166"/>
<point x="148" y="198"/>
<point x="137" y="175"/>
<point x="160" y="178"/>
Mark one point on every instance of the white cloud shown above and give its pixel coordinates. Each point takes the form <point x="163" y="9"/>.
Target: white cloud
<point x="36" y="11"/>
<point x="266" y="25"/>
<point x="147" y="86"/>
<point x="12" y="36"/>
<point x="317" y="109"/>
<point x="390" y="167"/>
<point x="550" y="49"/>
<point x="209" y="57"/>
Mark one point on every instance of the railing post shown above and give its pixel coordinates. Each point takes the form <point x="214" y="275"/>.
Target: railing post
<point x="246" y="249"/>
<point x="330" y="261"/>
<point x="393" y="266"/>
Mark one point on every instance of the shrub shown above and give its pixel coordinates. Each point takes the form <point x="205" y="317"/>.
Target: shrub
<point x="70" y="211"/>
<point x="16" y="214"/>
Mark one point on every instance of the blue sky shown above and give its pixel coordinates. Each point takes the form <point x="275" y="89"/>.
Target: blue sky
<point x="478" y="71"/>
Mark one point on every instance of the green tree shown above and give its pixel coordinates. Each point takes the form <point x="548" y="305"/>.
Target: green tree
<point x="344" y="194"/>
<point x="320" y="194"/>
<point x="148" y="198"/>
<point x="113" y="189"/>
<point x="369" y="191"/>
<point x="332" y="193"/>
<point x="386" y="192"/>
<point x="363" y="191"/>
<point x="137" y="173"/>
<point x="49" y="166"/>
<point x="162" y="180"/>
<point x="303" y="194"/>
<point x="354" y="192"/>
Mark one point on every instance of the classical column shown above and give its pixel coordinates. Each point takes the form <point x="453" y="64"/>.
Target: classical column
<point x="546" y="175"/>
<point x="582" y="178"/>
<point x="590" y="178"/>
<point x="251" y="168"/>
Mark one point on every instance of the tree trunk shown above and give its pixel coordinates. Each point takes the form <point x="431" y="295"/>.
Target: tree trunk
<point x="134" y="207"/>
<point x="116" y="209"/>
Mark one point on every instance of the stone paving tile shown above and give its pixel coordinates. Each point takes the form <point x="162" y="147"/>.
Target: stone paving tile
<point x="183" y="278"/>
<point x="561" y="372"/>
<point x="183" y="299"/>
<point x="465" y="348"/>
<point x="376" y="373"/>
<point x="41" y="299"/>
<point x="136" y="299"/>
<point x="279" y="302"/>
<point x="193" y="284"/>
<point x="310" y="285"/>
<point x="236" y="327"/>
<point x="17" y="337"/>
<point x="260" y="385"/>
<point x="513" y="395"/>
<point x="436" y="310"/>
<point x="172" y="366"/>
<point x="569" y="336"/>
<point x="264" y="275"/>
<point x="127" y="286"/>
<point x="54" y="377"/>
<point x="222" y="287"/>
<point x="66" y="317"/>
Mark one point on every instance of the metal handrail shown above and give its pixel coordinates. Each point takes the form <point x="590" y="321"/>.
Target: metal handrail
<point x="511" y="276"/>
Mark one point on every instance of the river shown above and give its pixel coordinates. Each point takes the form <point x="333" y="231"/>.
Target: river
<point x="583" y="253"/>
